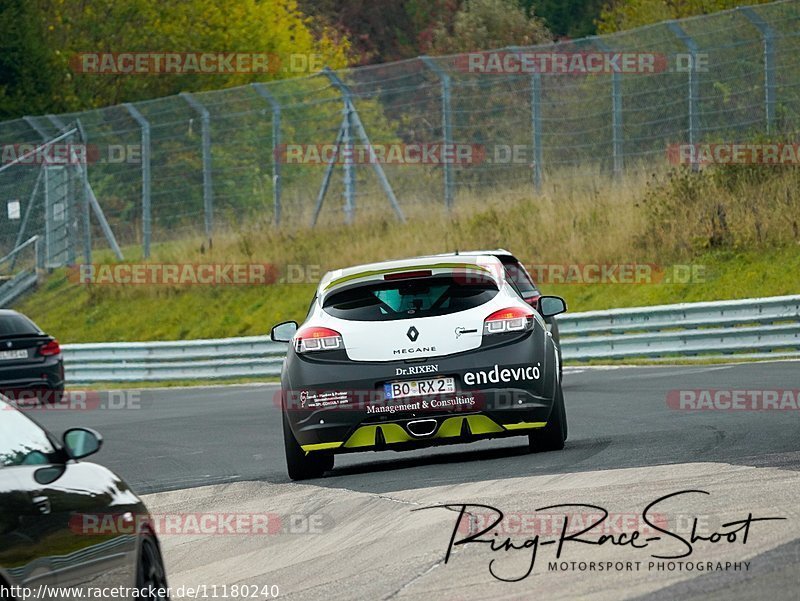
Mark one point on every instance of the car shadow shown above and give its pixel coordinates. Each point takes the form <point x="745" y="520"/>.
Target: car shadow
<point x="461" y="465"/>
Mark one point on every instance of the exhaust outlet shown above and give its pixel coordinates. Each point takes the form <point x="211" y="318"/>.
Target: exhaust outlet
<point x="422" y="427"/>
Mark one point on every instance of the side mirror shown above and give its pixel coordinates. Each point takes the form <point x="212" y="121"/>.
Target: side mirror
<point x="82" y="442"/>
<point x="283" y="332"/>
<point x="549" y="306"/>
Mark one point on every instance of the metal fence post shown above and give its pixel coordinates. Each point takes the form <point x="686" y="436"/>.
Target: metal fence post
<point x="276" y="142"/>
<point x="536" y="128"/>
<point x="87" y="211"/>
<point x="694" y="87"/>
<point x="616" y="114"/>
<point x="768" y="34"/>
<point x="208" y="193"/>
<point x="447" y="126"/>
<point x="144" y="124"/>
<point x="347" y="142"/>
<point x="536" y="123"/>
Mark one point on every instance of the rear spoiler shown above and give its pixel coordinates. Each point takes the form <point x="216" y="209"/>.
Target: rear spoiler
<point x="441" y="268"/>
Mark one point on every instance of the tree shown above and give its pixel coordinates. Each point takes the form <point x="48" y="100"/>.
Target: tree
<point x="27" y="85"/>
<point x="566" y="18"/>
<point x="383" y="31"/>
<point x="618" y="15"/>
<point x="485" y="24"/>
<point x="42" y="38"/>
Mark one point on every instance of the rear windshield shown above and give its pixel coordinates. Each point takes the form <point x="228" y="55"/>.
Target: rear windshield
<point x="17" y="325"/>
<point x="406" y="299"/>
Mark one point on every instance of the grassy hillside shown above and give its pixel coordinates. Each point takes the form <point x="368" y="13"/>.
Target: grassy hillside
<point x="737" y="228"/>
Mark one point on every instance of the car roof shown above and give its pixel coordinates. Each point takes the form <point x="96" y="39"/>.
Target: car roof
<point x="370" y="271"/>
<point x="497" y="252"/>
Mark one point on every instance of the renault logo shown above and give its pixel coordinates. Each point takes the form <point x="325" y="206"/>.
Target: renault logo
<point x="412" y="334"/>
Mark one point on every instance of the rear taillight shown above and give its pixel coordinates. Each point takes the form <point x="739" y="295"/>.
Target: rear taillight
<point x="513" y="319"/>
<point x="50" y="349"/>
<point x="313" y="339"/>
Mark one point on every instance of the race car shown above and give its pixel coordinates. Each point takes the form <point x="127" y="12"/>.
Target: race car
<point x="418" y="352"/>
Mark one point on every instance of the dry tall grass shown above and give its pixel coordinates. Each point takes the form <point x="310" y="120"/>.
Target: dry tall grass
<point x="657" y="217"/>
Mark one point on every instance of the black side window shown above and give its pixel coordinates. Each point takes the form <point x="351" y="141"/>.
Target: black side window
<point x="22" y="441"/>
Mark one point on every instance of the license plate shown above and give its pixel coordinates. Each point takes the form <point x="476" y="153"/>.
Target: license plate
<point x="401" y="390"/>
<point x="9" y="355"/>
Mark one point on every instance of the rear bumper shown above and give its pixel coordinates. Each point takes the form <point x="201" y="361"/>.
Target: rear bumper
<point x="404" y="435"/>
<point x="504" y="390"/>
<point x="32" y="377"/>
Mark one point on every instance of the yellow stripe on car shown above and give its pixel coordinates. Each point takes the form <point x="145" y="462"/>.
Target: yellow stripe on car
<point x="524" y="425"/>
<point x="322" y="446"/>
<point x="365" y="435"/>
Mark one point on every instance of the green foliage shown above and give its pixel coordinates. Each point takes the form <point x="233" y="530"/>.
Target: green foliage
<point x="618" y="15"/>
<point x="566" y="18"/>
<point x="26" y="66"/>
<point x="382" y="31"/>
<point x="41" y="39"/>
<point x="484" y="24"/>
<point x="720" y="207"/>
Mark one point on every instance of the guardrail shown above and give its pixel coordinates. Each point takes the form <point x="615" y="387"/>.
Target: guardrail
<point x="250" y="356"/>
<point x="689" y="330"/>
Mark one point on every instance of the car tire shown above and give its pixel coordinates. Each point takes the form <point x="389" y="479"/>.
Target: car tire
<point x="150" y="572"/>
<point x="553" y="435"/>
<point x="299" y="465"/>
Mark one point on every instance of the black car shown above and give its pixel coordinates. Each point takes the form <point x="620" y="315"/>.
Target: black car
<point x="525" y="285"/>
<point x="65" y="522"/>
<point x="31" y="364"/>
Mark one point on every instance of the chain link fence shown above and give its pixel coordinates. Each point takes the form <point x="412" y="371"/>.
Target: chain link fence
<point x="401" y="139"/>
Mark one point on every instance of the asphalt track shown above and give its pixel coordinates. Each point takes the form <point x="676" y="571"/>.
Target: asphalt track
<point x="219" y="450"/>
